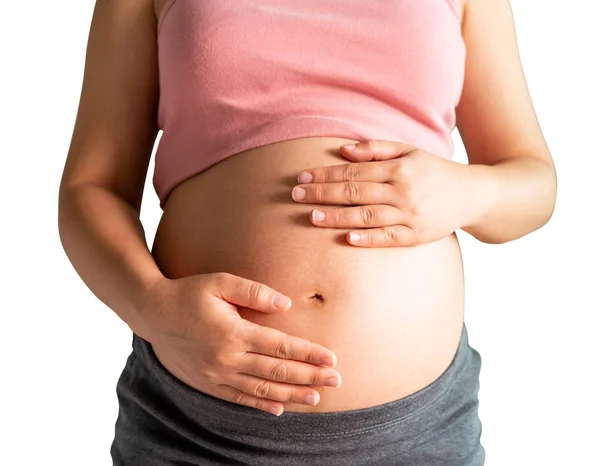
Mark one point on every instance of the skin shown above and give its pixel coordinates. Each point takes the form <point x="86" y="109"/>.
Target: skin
<point x="509" y="185"/>
<point x="506" y="191"/>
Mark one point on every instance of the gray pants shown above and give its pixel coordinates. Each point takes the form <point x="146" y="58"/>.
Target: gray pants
<point x="162" y="421"/>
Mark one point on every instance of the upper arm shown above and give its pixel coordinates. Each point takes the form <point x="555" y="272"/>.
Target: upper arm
<point x="495" y="116"/>
<point x="115" y="127"/>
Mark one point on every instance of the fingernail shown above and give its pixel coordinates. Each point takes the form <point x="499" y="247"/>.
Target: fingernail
<point x="333" y="382"/>
<point x="349" y="146"/>
<point x="311" y="399"/>
<point x="318" y="215"/>
<point x="328" y="362"/>
<point x="298" y="193"/>
<point x="281" y="301"/>
<point x="305" y="177"/>
<point x="354" y="237"/>
<point x="275" y="411"/>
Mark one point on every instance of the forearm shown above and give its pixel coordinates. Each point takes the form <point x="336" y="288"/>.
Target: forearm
<point x="104" y="240"/>
<point x="509" y="199"/>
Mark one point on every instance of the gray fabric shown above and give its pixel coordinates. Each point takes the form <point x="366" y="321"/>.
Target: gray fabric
<point x="162" y="421"/>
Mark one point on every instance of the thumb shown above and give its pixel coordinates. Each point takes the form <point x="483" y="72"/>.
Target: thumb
<point x="248" y="293"/>
<point x="375" y="150"/>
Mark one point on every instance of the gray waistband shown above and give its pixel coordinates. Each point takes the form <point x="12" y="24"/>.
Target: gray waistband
<point x="207" y="409"/>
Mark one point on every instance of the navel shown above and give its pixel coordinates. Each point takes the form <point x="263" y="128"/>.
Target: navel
<point x="318" y="297"/>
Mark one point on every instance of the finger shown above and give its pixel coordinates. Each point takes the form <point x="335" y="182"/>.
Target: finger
<point x="364" y="216"/>
<point x="248" y="293"/>
<point x="262" y="388"/>
<point x="348" y="192"/>
<point x="365" y="171"/>
<point x="377" y="149"/>
<point x="272" y="342"/>
<point x="242" y="398"/>
<point x="280" y="370"/>
<point x="389" y="236"/>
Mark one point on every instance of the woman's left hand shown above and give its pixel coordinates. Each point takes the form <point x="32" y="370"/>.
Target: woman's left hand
<point x="400" y="195"/>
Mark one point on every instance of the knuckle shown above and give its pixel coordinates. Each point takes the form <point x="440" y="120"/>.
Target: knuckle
<point x="367" y="215"/>
<point x="351" y="192"/>
<point x="218" y="280"/>
<point x="409" y="207"/>
<point x="221" y="336"/>
<point x="316" y="377"/>
<point x="257" y="292"/>
<point x="221" y="279"/>
<point x="350" y="171"/>
<point x="293" y="395"/>
<point x="223" y="275"/>
<point x="232" y="339"/>
<point x="412" y="209"/>
<point x="210" y="374"/>
<point x="279" y="371"/>
<point x="261" y="389"/>
<point x="240" y="398"/>
<point x="371" y="144"/>
<point x="338" y="216"/>
<point x="319" y="193"/>
<point x="390" y="236"/>
<point x="223" y="356"/>
<point x="223" y="359"/>
<point x="283" y="348"/>
<point x="398" y="170"/>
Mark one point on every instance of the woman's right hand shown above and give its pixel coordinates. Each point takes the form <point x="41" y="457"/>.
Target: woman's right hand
<point x="199" y="337"/>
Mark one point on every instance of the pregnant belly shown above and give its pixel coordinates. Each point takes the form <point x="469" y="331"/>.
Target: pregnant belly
<point x="392" y="316"/>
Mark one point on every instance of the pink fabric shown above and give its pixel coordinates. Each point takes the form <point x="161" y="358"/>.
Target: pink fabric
<point x="238" y="74"/>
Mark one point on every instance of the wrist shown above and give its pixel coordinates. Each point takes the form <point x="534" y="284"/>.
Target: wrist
<point x="149" y="308"/>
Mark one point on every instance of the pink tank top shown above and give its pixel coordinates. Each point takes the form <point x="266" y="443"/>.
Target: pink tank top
<point x="238" y="74"/>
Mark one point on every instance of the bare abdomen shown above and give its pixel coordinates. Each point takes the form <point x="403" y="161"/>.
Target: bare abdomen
<point x="393" y="316"/>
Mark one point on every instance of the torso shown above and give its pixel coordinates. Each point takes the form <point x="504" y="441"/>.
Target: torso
<point x="392" y="316"/>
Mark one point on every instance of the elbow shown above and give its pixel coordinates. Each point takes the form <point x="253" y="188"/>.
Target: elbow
<point x="517" y="222"/>
<point x="550" y="197"/>
<point x="63" y="219"/>
<point x="67" y="204"/>
<point x="495" y="239"/>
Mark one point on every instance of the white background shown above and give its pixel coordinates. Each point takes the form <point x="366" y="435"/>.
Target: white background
<point x="532" y="304"/>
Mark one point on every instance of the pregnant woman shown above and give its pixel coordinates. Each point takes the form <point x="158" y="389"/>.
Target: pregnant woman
<point x="303" y="300"/>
